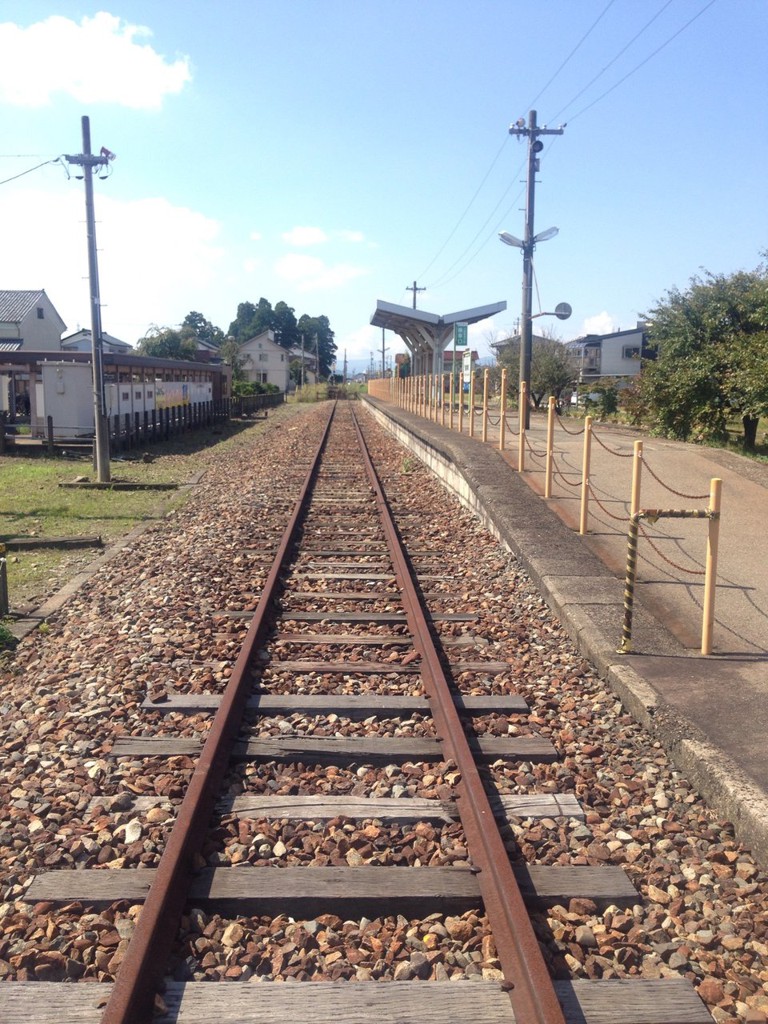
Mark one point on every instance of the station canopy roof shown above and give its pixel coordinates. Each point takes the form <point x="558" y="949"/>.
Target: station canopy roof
<point x="409" y="322"/>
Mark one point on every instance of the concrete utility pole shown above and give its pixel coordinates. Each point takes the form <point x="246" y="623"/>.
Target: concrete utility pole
<point x="88" y="161"/>
<point x="414" y="289"/>
<point x="383" y="354"/>
<point x="535" y="146"/>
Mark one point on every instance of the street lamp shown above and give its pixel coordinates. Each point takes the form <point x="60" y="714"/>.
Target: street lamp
<point x="562" y="312"/>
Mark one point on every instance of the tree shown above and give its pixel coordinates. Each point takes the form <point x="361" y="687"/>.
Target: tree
<point x="319" y="326"/>
<point x="711" y="347"/>
<point x="229" y="351"/>
<point x="204" y="329"/>
<point x="169" y="343"/>
<point x="252" y="320"/>
<point x="553" y="367"/>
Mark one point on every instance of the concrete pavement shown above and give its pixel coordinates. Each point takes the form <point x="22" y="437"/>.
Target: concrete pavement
<point x="710" y="713"/>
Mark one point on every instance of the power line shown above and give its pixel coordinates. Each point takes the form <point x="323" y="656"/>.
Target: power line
<point x="645" y="61"/>
<point x="576" y="47"/>
<point x="611" y="62"/>
<point x="466" y="209"/>
<point x="29" y="170"/>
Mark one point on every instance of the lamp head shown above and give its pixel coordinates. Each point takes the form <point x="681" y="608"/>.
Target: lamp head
<point x="508" y="239"/>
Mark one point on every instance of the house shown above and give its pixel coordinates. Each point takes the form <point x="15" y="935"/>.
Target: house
<point x="80" y="341"/>
<point x="264" y="361"/>
<point x="617" y="354"/>
<point x="29" y="322"/>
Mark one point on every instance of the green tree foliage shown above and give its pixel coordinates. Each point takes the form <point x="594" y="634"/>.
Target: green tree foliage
<point x="553" y="367"/>
<point x="169" y="343"/>
<point x="319" y="327"/>
<point x="204" y="329"/>
<point x="711" y="346"/>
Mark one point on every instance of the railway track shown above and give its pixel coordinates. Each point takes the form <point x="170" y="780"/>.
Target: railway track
<point x="355" y="665"/>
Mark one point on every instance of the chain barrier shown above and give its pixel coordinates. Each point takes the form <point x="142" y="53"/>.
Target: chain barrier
<point x="679" y="494"/>
<point x="532" y="450"/>
<point x="573" y="433"/>
<point x="494" y="420"/>
<point x="559" y="472"/>
<point x="511" y="430"/>
<point x="619" y="519"/>
<point x="611" y="451"/>
<point x="669" y="561"/>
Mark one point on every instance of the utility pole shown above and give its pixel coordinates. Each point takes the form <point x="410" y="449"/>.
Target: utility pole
<point x="344" y="381"/>
<point x="88" y="161"/>
<point x="383" y="354"/>
<point x="535" y="146"/>
<point x="414" y="289"/>
<point x="302" y="359"/>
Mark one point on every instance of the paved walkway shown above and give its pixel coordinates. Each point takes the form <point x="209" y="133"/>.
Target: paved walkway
<point x="711" y="713"/>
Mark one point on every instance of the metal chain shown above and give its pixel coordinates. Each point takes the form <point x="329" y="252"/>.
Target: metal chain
<point x="558" y="472"/>
<point x="513" y="432"/>
<point x="619" y="519"/>
<point x="493" y="420"/>
<point x="574" y="433"/>
<point x="663" y="557"/>
<point x="680" y="494"/>
<point x="532" y="450"/>
<point x="620" y="455"/>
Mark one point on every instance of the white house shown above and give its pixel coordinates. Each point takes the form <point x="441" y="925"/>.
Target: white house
<point x="80" y="341"/>
<point x="29" y="322"/>
<point x="264" y="361"/>
<point x="617" y="355"/>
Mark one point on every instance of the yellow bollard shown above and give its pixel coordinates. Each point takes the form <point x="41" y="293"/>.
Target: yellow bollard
<point x="710" y="576"/>
<point x="637" y="469"/>
<point x="550" y="446"/>
<point x="522" y="407"/>
<point x="503" y="410"/>
<point x="486" y="375"/>
<point x="585" y="475"/>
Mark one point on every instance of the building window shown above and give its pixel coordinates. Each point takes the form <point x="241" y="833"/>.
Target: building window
<point x="630" y="352"/>
<point x="40" y="313"/>
<point x="263" y="357"/>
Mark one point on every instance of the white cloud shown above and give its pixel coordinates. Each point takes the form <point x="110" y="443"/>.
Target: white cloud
<point x="255" y="236"/>
<point x="601" y="323"/>
<point x="351" y="236"/>
<point x="99" y="60"/>
<point x="309" y="273"/>
<point x="155" y="259"/>
<point x="305" y="236"/>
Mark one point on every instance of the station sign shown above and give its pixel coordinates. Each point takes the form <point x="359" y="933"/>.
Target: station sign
<point x="466" y="367"/>
<point x="460" y="335"/>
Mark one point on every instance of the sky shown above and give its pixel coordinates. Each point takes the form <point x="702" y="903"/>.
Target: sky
<point x="330" y="153"/>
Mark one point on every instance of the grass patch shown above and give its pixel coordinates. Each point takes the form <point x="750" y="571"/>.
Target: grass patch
<point x="33" y="505"/>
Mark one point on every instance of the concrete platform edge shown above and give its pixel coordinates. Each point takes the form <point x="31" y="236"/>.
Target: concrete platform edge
<point x="731" y="793"/>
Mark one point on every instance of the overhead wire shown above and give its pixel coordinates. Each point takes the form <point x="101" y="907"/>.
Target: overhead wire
<point x="447" y="276"/>
<point x="29" y="170"/>
<point x="466" y="209"/>
<point x="573" y="51"/>
<point x="643" y="62"/>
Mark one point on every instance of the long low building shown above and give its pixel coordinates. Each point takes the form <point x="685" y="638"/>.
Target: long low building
<point x="60" y="385"/>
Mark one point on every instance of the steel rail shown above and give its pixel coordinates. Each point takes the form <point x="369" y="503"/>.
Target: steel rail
<point x="141" y="972"/>
<point x="527" y="979"/>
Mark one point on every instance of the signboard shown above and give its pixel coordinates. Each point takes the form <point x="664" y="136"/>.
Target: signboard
<point x="460" y="335"/>
<point x="466" y="367"/>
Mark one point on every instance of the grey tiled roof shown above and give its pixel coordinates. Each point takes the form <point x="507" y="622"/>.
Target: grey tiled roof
<point x="15" y="305"/>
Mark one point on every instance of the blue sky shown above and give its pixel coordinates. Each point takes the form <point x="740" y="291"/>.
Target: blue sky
<point x="329" y="152"/>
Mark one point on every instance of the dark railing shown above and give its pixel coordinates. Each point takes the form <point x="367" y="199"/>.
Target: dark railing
<point x="247" y="405"/>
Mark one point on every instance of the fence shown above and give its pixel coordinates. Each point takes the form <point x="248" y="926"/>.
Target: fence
<point x="434" y="398"/>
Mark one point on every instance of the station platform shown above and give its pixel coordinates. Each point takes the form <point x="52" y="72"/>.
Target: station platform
<point x="709" y="712"/>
